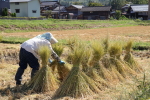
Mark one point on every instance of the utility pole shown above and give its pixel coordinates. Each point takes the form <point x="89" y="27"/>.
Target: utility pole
<point x="149" y="10"/>
<point x="59" y="10"/>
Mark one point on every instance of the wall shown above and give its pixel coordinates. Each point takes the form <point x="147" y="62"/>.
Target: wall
<point x="34" y="5"/>
<point x="23" y="9"/>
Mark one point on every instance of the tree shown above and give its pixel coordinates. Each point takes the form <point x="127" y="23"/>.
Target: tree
<point x="48" y="13"/>
<point x="93" y="4"/>
<point x="77" y="3"/>
<point x="117" y="4"/>
<point x="5" y="12"/>
<point x="118" y="14"/>
<point x="138" y="1"/>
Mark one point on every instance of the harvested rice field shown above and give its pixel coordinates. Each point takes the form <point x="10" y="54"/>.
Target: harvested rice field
<point x="86" y="81"/>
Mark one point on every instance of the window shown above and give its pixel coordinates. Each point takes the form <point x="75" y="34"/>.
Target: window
<point x="33" y="11"/>
<point x="17" y="10"/>
<point x="16" y="3"/>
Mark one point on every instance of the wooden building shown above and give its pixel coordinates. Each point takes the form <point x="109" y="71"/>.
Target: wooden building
<point x="47" y="6"/>
<point x="60" y="13"/>
<point x="137" y="12"/>
<point x="74" y="11"/>
<point x="96" y="13"/>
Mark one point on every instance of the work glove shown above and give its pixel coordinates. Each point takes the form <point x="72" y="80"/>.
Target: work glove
<point x="61" y="62"/>
<point x="50" y="61"/>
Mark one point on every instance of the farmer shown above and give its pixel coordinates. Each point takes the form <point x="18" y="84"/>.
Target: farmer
<point x="28" y="54"/>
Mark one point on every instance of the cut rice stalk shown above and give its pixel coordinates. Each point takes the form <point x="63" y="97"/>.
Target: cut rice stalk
<point x="63" y="70"/>
<point x="132" y="63"/>
<point x="77" y="84"/>
<point x="74" y="85"/>
<point x="92" y="73"/>
<point x="130" y="59"/>
<point x="44" y="80"/>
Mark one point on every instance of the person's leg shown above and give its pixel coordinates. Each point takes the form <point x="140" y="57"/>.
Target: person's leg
<point x="33" y="63"/>
<point x="23" y="66"/>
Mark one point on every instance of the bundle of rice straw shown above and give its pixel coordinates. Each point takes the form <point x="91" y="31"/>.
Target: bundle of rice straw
<point x="58" y="48"/>
<point x="44" y="80"/>
<point x="106" y="44"/>
<point x="115" y="64"/>
<point x="71" y="42"/>
<point x="98" y="52"/>
<point x="62" y="69"/>
<point x="130" y="59"/>
<point x="77" y="83"/>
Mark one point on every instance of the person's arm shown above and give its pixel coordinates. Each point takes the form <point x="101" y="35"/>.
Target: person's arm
<point x="54" y="55"/>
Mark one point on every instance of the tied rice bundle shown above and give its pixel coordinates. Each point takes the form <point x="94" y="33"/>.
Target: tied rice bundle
<point x="44" y="80"/>
<point x="129" y="59"/>
<point x="77" y="83"/>
<point x="62" y="69"/>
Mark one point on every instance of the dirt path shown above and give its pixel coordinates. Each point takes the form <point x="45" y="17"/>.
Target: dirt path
<point x="136" y="32"/>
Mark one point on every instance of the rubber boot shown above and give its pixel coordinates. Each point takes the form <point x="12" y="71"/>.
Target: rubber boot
<point x="33" y="72"/>
<point x="18" y="76"/>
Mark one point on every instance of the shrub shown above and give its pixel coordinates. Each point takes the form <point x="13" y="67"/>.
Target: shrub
<point x="118" y="14"/>
<point x="123" y="17"/>
<point x="5" y="12"/>
<point x="13" y="14"/>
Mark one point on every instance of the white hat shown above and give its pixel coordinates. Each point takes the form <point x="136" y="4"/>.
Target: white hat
<point x="48" y="36"/>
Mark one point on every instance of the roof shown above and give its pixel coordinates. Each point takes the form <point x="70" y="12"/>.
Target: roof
<point x="100" y="8"/>
<point x="49" y="0"/>
<point x="57" y="8"/>
<point x="19" y="0"/>
<point x="78" y="6"/>
<point x="47" y="3"/>
<point x="139" y="8"/>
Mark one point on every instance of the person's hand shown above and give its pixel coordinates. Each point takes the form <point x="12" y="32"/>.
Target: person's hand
<point x="61" y="62"/>
<point x="49" y="60"/>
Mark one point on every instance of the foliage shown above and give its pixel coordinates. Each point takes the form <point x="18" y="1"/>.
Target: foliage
<point x="5" y="12"/>
<point x="118" y="14"/>
<point x="77" y="3"/>
<point x="93" y="4"/>
<point x="143" y="89"/>
<point x="13" y="14"/>
<point x="141" y="46"/>
<point x="138" y="1"/>
<point x="122" y="17"/>
<point x="117" y="4"/>
<point x="48" y="13"/>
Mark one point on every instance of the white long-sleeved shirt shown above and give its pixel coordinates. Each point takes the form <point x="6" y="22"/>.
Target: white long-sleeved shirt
<point x="32" y="45"/>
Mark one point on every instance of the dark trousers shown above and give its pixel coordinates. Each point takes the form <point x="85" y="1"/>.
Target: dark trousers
<point x="26" y="58"/>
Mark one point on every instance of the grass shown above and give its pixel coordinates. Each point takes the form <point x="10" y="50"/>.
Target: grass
<point x="141" y="45"/>
<point x="13" y="40"/>
<point x="53" y="24"/>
